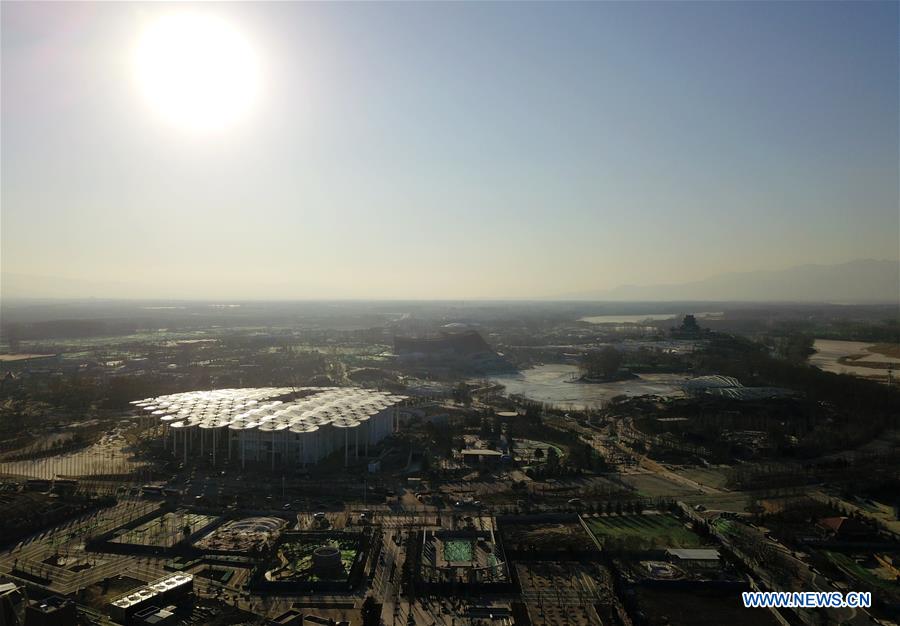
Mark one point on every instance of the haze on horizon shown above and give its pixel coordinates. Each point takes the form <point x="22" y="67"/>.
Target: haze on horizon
<point x="452" y="150"/>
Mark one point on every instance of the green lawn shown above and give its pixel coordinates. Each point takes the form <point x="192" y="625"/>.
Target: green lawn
<point x="724" y="526"/>
<point x="458" y="550"/>
<point x="644" y="531"/>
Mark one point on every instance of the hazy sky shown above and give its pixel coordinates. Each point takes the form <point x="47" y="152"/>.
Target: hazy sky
<point x="455" y="150"/>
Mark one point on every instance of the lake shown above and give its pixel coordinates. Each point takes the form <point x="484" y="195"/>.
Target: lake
<point x="828" y="351"/>
<point x="643" y="317"/>
<point x="548" y="383"/>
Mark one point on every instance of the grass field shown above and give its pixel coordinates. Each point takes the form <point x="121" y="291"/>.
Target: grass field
<point x="710" y="477"/>
<point x="654" y="485"/>
<point x="644" y="531"/>
<point x="853" y="569"/>
<point x="547" y="536"/>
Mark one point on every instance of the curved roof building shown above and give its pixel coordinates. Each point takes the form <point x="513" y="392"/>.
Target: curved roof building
<point x="274" y="425"/>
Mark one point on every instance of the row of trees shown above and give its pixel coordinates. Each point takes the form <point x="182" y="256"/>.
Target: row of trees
<point x="763" y="554"/>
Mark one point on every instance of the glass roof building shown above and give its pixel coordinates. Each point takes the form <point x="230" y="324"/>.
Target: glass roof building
<point x="275" y="426"/>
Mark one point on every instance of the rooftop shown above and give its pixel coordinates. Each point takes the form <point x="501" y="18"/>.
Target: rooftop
<point x="482" y="452"/>
<point x="300" y="410"/>
<point x="694" y="554"/>
<point x="730" y="387"/>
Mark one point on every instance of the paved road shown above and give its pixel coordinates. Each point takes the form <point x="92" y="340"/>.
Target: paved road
<point x="387" y="577"/>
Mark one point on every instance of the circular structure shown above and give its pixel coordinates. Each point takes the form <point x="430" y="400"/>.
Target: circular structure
<point x="327" y="561"/>
<point x="243" y="534"/>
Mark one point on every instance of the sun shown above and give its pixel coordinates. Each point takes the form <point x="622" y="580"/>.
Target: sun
<point x="197" y="71"/>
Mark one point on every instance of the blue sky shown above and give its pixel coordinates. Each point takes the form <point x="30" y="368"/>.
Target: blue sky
<point x="455" y="150"/>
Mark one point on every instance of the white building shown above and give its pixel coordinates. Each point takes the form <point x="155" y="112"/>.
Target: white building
<point x="277" y="426"/>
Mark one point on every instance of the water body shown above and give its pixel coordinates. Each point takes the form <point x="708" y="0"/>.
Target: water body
<point x="828" y="351"/>
<point x="549" y="384"/>
<point x="627" y="319"/>
<point x="636" y="319"/>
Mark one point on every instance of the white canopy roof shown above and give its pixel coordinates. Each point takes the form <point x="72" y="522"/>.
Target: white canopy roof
<point x="260" y="408"/>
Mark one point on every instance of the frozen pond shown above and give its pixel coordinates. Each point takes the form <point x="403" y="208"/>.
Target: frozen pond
<point x="627" y="319"/>
<point x="828" y="351"/>
<point x="636" y="319"/>
<point x="549" y="384"/>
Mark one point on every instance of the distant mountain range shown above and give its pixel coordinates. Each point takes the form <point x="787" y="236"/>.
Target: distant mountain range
<point x="27" y="286"/>
<point x="864" y="281"/>
<point x="860" y="281"/>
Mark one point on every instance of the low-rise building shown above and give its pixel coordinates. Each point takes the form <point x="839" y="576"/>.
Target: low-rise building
<point x="52" y="611"/>
<point x="705" y="558"/>
<point x="843" y="529"/>
<point x="481" y="456"/>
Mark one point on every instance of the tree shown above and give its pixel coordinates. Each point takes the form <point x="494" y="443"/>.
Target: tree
<point x="689" y="324"/>
<point x="795" y="348"/>
<point x="463" y="394"/>
<point x="603" y="363"/>
<point x="582" y="456"/>
<point x="370" y="611"/>
<point x="552" y="458"/>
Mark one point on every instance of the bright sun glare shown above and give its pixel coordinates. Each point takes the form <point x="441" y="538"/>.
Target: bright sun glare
<point x="197" y="71"/>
